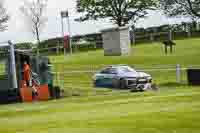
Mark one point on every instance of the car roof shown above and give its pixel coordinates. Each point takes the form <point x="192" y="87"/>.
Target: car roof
<point x="116" y="66"/>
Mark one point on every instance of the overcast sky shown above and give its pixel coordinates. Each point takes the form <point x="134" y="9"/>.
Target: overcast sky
<point x="18" y="31"/>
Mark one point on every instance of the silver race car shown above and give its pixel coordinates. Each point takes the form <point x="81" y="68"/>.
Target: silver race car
<point x="121" y="76"/>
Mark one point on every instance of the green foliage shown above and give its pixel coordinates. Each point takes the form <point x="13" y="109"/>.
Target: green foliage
<point x="47" y="43"/>
<point x="119" y="11"/>
<point x="25" y="45"/>
<point x="87" y="46"/>
<point x="181" y="7"/>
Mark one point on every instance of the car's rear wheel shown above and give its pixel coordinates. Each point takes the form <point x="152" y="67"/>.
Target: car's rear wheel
<point x="116" y="83"/>
<point x="123" y="84"/>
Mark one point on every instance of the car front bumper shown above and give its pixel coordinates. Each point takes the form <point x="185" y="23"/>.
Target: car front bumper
<point x="134" y="83"/>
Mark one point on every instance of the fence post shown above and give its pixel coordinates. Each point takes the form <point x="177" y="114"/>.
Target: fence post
<point x="197" y="26"/>
<point x="151" y="37"/>
<point x="170" y="35"/>
<point x="189" y="34"/>
<point x="132" y="36"/>
<point x="57" y="48"/>
<point x="178" y="73"/>
<point x="58" y="74"/>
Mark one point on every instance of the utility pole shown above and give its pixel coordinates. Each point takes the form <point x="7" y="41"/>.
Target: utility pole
<point x="62" y="28"/>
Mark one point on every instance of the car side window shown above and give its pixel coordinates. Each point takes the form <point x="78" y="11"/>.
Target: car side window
<point x="105" y="71"/>
<point x="109" y="71"/>
<point x="113" y="71"/>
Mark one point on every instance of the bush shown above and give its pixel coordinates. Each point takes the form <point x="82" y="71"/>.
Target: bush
<point x="26" y="45"/>
<point x="86" y="46"/>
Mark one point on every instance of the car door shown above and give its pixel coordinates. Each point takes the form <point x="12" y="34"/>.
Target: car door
<point x="107" y="76"/>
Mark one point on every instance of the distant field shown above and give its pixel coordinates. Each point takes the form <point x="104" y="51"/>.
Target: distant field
<point x="187" y="53"/>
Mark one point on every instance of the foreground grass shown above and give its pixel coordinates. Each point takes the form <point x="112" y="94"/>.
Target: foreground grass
<point x="167" y="111"/>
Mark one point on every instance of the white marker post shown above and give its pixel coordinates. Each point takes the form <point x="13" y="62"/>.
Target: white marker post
<point x="178" y="73"/>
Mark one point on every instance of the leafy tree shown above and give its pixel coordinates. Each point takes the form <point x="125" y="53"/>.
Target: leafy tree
<point x="181" y="7"/>
<point x="3" y="17"/>
<point x="119" y="11"/>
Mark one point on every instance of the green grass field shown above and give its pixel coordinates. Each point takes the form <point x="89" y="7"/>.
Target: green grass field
<point x="167" y="111"/>
<point x="172" y="109"/>
<point x="143" y="56"/>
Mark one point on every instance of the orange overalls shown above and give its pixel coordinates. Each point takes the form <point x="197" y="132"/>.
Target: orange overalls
<point x="27" y="74"/>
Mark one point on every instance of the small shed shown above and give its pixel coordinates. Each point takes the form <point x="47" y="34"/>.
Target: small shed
<point x="116" y="41"/>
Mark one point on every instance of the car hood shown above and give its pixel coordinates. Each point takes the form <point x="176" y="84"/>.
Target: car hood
<point x="134" y="74"/>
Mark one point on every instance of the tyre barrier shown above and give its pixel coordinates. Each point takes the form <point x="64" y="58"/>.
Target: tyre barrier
<point x="193" y="76"/>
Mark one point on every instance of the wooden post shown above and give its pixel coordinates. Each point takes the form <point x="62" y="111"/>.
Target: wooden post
<point x="166" y="49"/>
<point x="58" y="45"/>
<point x="132" y="36"/>
<point x="171" y="49"/>
<point x="170" y="35"/>
<point x="151" y="37"/>
<point x="188" y="30"/>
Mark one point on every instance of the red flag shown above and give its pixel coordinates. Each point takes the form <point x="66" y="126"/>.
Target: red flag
<point x="66" y="41"/>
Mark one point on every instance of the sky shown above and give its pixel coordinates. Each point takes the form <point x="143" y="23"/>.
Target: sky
<point x="18" y="30"/>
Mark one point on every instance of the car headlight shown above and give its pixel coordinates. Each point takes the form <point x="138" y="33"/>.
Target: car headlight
<point x="132" y="79"/>
<point x="149" y="79"/>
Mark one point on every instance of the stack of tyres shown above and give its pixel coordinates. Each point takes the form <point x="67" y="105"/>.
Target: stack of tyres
<point x="55" y="92"/>
<point x="193" y="76"/>
<point x="9" y="96"/>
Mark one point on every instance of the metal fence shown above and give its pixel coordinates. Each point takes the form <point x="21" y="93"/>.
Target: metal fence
<point x="96" y="43"/>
